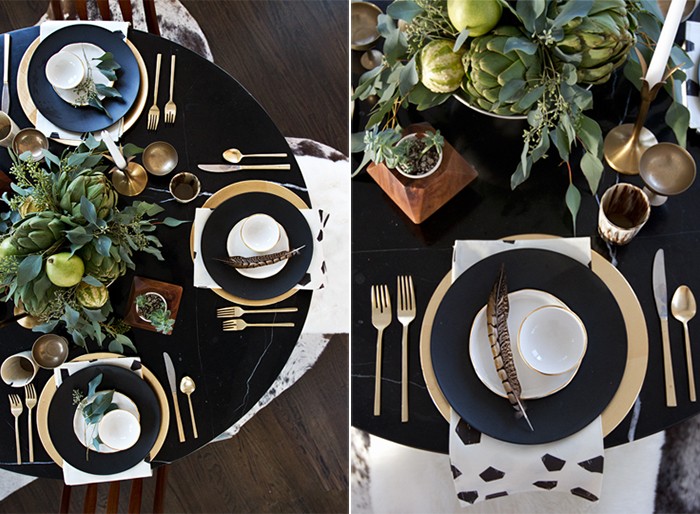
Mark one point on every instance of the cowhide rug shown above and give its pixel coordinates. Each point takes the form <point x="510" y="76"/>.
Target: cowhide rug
<point x="174" y="20"/>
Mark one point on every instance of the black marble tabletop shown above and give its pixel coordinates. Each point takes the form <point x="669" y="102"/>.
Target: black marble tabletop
<point x="232" y="369"/>
<point x="385" y="243"/>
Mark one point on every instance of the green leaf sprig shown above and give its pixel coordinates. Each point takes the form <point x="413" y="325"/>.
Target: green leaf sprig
<point x="94" y="407"/>
<point x="89" y="91"/>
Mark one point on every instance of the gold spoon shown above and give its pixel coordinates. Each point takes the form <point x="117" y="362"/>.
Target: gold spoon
<point x="234" y="155"/>
<point x="187" y="386"/>
<point x="683" y="308"/>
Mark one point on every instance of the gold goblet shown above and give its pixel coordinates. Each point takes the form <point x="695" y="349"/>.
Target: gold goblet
<point x="625" y="144"/>
<point x="666" y="169"/>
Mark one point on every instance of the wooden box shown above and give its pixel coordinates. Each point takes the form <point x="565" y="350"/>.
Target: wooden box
<point x="171" y="292"/>
<point x="420" y="198"/>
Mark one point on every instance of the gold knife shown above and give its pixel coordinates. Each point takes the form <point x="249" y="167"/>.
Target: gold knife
<point x="170" y="370"/>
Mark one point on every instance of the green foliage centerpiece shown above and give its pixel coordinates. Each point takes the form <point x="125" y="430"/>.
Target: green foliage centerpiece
<point x="64" y="241"/>
<point x="536" y="59"/>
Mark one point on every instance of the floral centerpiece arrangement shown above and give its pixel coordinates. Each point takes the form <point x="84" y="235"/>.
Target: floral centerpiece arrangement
<point x="531" y="58"/>
<point x="64" y="241"/>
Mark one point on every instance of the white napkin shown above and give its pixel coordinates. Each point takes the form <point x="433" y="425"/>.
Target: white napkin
<point x="44" y="125"/>
<point x="484" y="468"/>
<point x="316" y="274"/>
<point x="74" y="476"/>
<point x="691" y="93"/>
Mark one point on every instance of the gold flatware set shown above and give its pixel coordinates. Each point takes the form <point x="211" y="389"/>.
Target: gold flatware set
<point x="170" y="110"/>
<point x="381" y="319"/>
<point x="235" y="325"/>
<point x="16" y="409"/>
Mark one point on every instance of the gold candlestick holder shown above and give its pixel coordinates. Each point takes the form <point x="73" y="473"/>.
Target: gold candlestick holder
<point x="130" y="181"/>
<point x="624" y="145"/>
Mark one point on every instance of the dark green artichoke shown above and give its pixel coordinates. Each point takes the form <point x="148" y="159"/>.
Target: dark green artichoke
<point x="37" y="232"/>
<point x="104" y="269"/>
<point x="598" y="43"/>
<point x="488" y="68"/>
<point x="93" y="185"/>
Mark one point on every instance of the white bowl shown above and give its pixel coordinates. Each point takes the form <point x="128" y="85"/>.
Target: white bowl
<point x="119" y="429"/>
<point x="260" y="232"/>
<point x="552" y="340"/>
<point x="64" y="70"/>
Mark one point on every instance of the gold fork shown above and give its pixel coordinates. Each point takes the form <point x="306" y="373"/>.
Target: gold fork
<point x="236" y="312"/>
<point x="239" y="324"/>
<point x="16" y="410"/>
<point x="405" y="312"/>
<point x="170" y="107"/>
<point x="381" y="318"/>
<point x="154" y="112"/>
<point x="30" y="401"/>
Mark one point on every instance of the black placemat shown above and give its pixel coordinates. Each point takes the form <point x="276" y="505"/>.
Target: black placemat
<point x="62" y="411"/>
<point x="562" y="413"/>
<point x="83" y="119"/>
<point x="225" y="217"/>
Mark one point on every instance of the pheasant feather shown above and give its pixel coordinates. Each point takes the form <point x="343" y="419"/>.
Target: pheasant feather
<point x="256" y="261"/>
<point x="499" y="338"/>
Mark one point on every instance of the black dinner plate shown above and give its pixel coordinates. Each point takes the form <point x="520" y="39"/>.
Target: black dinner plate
<point x="62" y="411"/>
<point x="225" y="217"/>
<point x="553" y="417"/>
<point x="83" y="119"/>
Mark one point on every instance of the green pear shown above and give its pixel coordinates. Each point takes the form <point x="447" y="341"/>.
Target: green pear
<point x="64" y="270"/>
<point x="479" y="16"/>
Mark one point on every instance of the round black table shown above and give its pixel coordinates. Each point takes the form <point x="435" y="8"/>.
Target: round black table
<point x="385" y="243"/>
<point x="233" y="370"/>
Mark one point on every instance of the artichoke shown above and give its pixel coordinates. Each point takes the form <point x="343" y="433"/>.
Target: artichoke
<point x="104" y="269"/>
<point x="488" y="68"/>
<point x="598" y="43"/>
<point x="37" y="232"/>
<point x="94" y="186"/>
<point x="441" y="69"/>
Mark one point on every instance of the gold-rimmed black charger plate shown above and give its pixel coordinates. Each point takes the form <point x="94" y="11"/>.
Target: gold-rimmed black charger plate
<point x="563" y="413"/>
<point x="636" y="339"/>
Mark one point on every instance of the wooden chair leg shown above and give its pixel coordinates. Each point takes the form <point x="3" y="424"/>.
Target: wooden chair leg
<point x="81" y="9"/>
<point x="149" y="7"/>
<point x="125" y="6"/>
<point x="65" y="500"/>
<point x="113" y="498"/>
<point x="90" y="505"/>
<point x="103" y="7"/>
<point x="135" y="496"/>
<point x="159" y="496"/>
<point x="55" y="12"/>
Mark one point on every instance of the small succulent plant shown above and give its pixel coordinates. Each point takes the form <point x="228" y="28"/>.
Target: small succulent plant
<point x="154" y="308"/>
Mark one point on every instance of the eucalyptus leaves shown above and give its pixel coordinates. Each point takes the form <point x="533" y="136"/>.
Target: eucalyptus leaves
<point x="69" y="209"/>
<point x="539" y="60"/>
<point x="92" y="408"/>
<point x="88" y="91"/>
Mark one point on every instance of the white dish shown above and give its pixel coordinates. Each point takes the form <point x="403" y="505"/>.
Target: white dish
<point x="64" y="70"/>
<point x="552" y="340"/>
<point x="86" y="52"/>
<point x="534" y="385"/>
<point x="236" y="246"/>
<point x="79" y="427"/>
<point x="260" y="232"/>
<point x="119" y="429"/>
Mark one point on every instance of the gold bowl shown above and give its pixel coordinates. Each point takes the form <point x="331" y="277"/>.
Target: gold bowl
<point x="50" y="351"/>
<point x="160" y="158"/>
<point x="30" y="140"/>
<point x="666" y="169"/>
<point x="363" y="25"/>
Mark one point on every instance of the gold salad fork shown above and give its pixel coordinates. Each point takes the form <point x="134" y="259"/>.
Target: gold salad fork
<point x="381" y="318"/>
<point x="154" y="112"/>
<point x="239" y="324"/>
<point x="235" y="311"/>
<point x="406" y="312"/>
<point x="170" y="107"/>
<point x="16" y="410"/>
<point x="30" y="401"/>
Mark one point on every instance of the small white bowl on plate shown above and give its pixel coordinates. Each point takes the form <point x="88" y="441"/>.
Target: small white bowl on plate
<point x="260" y="232"/>
<point x="65" y="70"/>
<point x="86" y="434"/>
<point x="236" y="246"/>
<point x="119" y="429"/>
<point x="552" y="340"/>
<point x="534" y="385"/>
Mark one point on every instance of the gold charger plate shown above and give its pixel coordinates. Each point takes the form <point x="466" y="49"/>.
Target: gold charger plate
<point x="42" y="408"/>
<point x="239" y="188"/>
<point x="635" y="324"/>
<point x="30" y="110"/>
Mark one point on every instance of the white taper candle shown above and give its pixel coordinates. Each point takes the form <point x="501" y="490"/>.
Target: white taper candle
<point x="657" y="66"/>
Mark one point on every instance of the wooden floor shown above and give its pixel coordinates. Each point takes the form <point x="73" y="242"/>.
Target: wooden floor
<point x="292" y="456"/>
